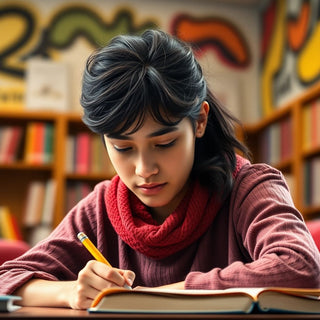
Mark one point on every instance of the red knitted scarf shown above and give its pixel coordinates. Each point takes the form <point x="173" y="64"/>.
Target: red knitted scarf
<point x="135" y="225"/>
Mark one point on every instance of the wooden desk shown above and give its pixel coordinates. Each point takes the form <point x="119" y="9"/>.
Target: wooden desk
<point x="61" y="313"/>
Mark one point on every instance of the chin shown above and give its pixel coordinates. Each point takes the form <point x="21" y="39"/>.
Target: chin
<point x="152" y="203"/>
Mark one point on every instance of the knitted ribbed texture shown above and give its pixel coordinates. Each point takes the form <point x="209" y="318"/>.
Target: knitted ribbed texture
<point x="135" y="225"/>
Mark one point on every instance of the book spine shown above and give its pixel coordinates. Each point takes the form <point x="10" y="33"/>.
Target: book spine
<point x="49" y="203"/>
<point x="306" y="125"/>
<point x="48" y="143"/>
<point x="29" y="142"/>
<point x="9" y="225"/>
<point x="35" y="143"/>
<point x="37" y="153"/>
<point x="34" y="204"/>
<point x="83" y="153"/>
<point x="313" y="124"/>
<point x="6" y="132"/>
<point x="70" y="154"/>
<point x="6" y="231"/>
<point x="14" y="143"/>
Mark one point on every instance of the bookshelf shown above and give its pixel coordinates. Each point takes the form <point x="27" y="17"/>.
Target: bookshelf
<point x="289" y="139"/>
<point x="18" y="174"/>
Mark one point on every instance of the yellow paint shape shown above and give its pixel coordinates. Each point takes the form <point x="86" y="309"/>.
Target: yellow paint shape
<point x="308" y="64"/>
<point x="11" y="29"/>
<point x="273" y="58"/>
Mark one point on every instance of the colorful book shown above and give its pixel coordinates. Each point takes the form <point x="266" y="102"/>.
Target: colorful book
<point x="9" y="225"/>
<point x="236" y="300"/>
<point x="70" y="154"/>
<point x="34" y="204"/>
<point x="4" y="142"/>
<point x="39" y="142"/>
<point x="14" y="142"/>
<point x="306" y="128"/>
<point x="48" y="143"/>
<point x="36" y="156"/>
<point x="48" y="203"/>
<point x="82" y="165"/>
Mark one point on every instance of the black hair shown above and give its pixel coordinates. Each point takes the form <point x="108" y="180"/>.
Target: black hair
<point x="158" y="74"/>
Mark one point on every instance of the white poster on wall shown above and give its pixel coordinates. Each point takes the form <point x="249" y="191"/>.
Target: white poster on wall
<point x="47" y="85"/>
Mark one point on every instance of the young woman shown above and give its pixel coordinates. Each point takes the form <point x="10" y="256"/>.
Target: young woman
<point x="184" y="210"/>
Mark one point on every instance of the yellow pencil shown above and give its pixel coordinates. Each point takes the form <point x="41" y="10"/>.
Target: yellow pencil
<point x="92" y="248"/>
<point x="94" y="251"/>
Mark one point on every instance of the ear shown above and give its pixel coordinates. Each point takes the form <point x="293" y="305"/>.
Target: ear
<point x="201" y="123"/>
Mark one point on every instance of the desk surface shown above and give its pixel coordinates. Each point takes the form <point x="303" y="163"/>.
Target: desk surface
<point x="61" y="313"/>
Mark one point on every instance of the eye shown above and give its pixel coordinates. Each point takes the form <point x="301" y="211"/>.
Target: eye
<point x="119" y="149"/>
<point x="166" y="145"/>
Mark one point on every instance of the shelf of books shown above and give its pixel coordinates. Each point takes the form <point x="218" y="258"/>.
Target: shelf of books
<point x="48" y="161"/>
<point x="289" y="140"/>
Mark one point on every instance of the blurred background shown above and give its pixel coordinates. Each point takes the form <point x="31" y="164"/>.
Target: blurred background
<point x="260" y="58"/>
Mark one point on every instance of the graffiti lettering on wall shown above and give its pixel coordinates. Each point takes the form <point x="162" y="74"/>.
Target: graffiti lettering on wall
<point x="290" y="49"/>
<point x="60" y="33"/>
<point x="24" y="34"/>
<point x="216" y="33"/>
<point x="23" y="38"/>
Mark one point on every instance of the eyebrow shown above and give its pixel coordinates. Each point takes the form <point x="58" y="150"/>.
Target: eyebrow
<point x="157" y="133"/>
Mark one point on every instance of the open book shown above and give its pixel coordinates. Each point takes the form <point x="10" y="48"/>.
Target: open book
<point x="235" y="300"/>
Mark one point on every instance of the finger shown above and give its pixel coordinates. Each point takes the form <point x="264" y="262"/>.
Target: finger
<point x="95" y="275"/>
<point x="112" y="276"/>
<point x="129" y="277"/>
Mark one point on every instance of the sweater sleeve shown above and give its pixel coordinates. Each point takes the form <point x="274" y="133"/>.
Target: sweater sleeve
<point x="61" y="255"/>
<point x="270" y="232"/>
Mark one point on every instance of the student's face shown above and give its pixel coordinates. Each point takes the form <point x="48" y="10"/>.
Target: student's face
<point x="155" y="162"/>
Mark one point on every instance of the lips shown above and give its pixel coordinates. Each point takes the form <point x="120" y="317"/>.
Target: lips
<point x="151" y="188"/>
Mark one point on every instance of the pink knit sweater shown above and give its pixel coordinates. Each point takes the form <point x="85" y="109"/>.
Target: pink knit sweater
<point x="257" y="239"/>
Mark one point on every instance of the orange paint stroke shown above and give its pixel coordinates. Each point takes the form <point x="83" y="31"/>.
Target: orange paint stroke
<point x="213" y="32"/>
<point x="298" y="28"/>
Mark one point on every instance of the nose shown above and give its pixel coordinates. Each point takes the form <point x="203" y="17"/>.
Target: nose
<point x="146" y="166"/>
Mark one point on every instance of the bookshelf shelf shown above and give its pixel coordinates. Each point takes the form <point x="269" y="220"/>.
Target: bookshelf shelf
<point x="312" y="211"/>
<point x="284" y="165"/>
<point x="311" y="152"/>
<point x="303" y="116"/>
<point x="20" y="165"/>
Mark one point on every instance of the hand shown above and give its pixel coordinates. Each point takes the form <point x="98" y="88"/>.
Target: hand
<point x="93" y="278"/>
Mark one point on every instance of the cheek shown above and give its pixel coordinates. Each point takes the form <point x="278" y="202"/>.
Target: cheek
<point x="183" y="157"/>
<point x="115" y="158"/>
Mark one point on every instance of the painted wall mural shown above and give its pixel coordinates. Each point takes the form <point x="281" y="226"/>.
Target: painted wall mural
<point x="25" y="33"/>
<point x="60" y="33"/>
<point x="214" y="33"/>
<point x="290" y="50"/>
